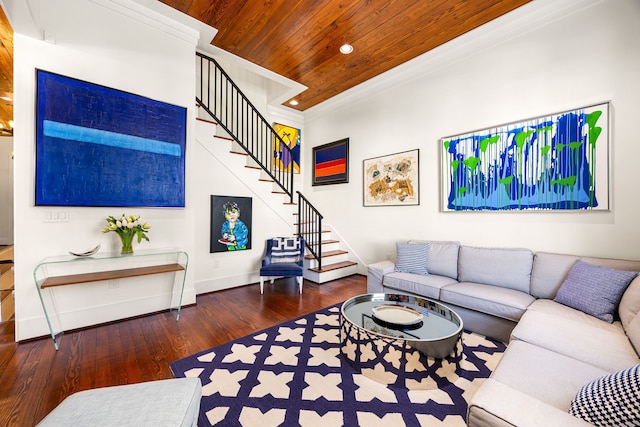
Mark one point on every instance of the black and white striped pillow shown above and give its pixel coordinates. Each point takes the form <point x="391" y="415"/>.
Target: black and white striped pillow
<point x="612" y="400"/>
<point x="412" y="258"/>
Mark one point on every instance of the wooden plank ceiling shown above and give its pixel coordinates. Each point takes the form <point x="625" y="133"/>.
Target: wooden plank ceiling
<point x="300" y="39"/>
<point x="6" y="74"/>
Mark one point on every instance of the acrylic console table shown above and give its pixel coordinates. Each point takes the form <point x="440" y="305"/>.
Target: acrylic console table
<point x="67" y="270"/>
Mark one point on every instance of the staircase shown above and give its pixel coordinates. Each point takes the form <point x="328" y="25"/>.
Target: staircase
<point x="239" y="121"/>
<point x="327" y="258"/>
<point x="333" y="264"/>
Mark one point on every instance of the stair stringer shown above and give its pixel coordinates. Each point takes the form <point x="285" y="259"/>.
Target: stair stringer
<point x="221" y="148"/>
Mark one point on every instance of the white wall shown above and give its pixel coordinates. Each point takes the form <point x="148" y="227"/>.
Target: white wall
<point x="104" y="43"/>
<point x="547" y="57"/>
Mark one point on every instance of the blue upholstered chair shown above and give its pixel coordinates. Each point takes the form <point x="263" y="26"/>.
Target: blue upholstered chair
<point x="284" y="258"/>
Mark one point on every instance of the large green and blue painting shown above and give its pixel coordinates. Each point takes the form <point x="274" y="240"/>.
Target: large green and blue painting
<point x="552" y="163"/>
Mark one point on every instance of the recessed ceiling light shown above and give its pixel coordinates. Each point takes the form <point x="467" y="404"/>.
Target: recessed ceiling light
<point x="346" y="49"/>
<point x="293" y="102"/>
<point x="6" y="98"/>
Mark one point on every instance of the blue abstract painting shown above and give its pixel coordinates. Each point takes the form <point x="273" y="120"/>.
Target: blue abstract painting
<point x="97" y="146"/>
<point x="551" y="163"/>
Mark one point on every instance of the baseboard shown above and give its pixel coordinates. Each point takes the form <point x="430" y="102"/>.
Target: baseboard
<point x="36" y="327"/>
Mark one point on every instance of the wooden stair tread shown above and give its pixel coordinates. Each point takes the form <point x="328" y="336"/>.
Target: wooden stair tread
<point x="332" y="267"/>
<point x="242" y="153"/>
<point x="311" y="232"/>
<point x="328" y="254"/>
<point x="206" y="121"/>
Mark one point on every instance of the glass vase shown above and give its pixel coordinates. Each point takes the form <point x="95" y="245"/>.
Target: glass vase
<point x="127" y="243"/>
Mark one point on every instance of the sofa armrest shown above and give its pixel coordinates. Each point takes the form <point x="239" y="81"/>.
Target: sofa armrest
<point x="375" y="275"/>
<point x="496" y="404"/>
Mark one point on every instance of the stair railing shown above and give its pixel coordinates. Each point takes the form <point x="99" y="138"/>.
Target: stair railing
<point x="219" y="96"/>
<point x="310" y="227"/>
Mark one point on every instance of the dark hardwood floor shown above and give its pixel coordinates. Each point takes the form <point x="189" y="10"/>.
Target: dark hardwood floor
<point x="35" y="378"/>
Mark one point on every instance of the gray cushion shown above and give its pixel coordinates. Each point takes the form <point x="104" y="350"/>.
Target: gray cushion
<point x="632" y="329"/>
<point x="575" y="334"/>
<point x="496" y="300"/>
<point x="548" y="376"/>
<point x="508" y="268"/>
<point x="612" y="400"/>
<point x="428" y="286"/>
<point x="629" y="307"/>
<point x="549" y="271"/>
<point x="443" y="257"/>
<point x="412" y="258"/>
<point x="174" y="402"/>
<point x="594" y="289"/>
<point x="494" y="403"/>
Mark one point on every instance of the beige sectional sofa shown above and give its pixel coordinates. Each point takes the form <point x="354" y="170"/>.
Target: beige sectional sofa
<point x="554" y="350"/>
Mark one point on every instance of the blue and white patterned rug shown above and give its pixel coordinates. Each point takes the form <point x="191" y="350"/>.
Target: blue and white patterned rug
<point x="294" y="374"/>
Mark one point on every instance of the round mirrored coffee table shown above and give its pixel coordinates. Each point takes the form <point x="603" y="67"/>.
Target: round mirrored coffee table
<point x="401" y="340"/>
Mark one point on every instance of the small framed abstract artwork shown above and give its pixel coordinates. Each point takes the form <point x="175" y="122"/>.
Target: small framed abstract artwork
<point x="97" y="146"/>
<point x="392" y="180"/>
<point x="331" y="163"/>
<point x="284" y="159"/>
<point x="557" y="162"/>
<point x="231" y="219"/>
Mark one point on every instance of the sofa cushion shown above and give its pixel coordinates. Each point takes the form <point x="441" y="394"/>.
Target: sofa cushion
<point x="548" y="273"/>
<point x="443" y="257"/>
<point x="428" y="286"/>
<point x="629" y="307"/>
<point x="633" y="332"/>
<point x="495" y="300"/>
<point x="412" y="258"/>
<point x="509" y="268"/>
<point x="567" y="331"/>
<point x="550" y="377"/>
<point x="610" y="400"/>
<point x="594" y="289"/>
<point x="495" y="404"/>
<point x="550" y="270"/>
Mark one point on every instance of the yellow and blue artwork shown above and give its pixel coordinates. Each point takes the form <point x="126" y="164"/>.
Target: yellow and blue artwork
<point x="557" y="162"/>
<point x="97" y="146"/>
<point x="286" y="158"/>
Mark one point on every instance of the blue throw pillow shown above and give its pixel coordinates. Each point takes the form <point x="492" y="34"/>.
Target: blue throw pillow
<point x="612" y="400"/>
<point x="412" y="258"/>
<point x="594" y="289"/>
